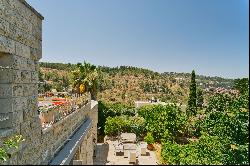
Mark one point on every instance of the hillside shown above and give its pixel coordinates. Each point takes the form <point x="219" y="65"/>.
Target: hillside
<point x="126" y="84"/>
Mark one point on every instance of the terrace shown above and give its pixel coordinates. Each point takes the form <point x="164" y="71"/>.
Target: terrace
<point x="52" y="109"/>
<point x="124" y="151"/>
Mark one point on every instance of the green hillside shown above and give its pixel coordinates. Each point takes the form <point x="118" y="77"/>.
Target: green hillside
<point x="127" y="84"/>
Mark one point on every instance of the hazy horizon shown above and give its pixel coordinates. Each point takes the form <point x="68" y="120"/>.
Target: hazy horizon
<point x="209" y="36"/>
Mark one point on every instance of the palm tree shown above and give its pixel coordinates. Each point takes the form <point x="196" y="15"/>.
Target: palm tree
<point x="85" y="75"/>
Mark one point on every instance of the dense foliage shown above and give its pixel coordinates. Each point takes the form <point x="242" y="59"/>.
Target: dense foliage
<point x="228" y="118"/>
<point x="149" y="138"/>
<point x="106" y="110"/>
<point x="242" y="85"/>
<point x="222" y="135"/>
<point x="164" y="122"/>
<point x="120" y="124"/>
<point x="208" y="150"/>
<point x="217" y="134"/>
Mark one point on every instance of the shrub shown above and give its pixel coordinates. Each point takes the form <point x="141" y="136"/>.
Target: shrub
<point x="163" y="119"/>
<point x="207" y="150"/>
<point x="13" y="142"/>
<point x="228" y="118"/>
<point x="149" y="138"/>
<point x="118" y="124"/>
<point x="106" y="110"/>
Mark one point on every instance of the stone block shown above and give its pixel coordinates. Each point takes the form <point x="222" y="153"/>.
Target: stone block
<point x="6" y="105"/>
<point x="34" y="77"/>
<point x="20" y="63"/>
<point x="17" y="90"/>
<point x="16" y="76"/>
<point x="35" y="89"/>
<point x="18" y="117"/>
<point x="36" y="124"/>
<point x="7" y="45"/>
<point x="5" y="91"/>
<point x="8" y="120"/>
<point x="26" y="89"/>
<point x="28" y="114"/>
<point x="46" y="155"/>
<point x="22" y="50"/>
<point x="37" y="32"/>
<point x="19" y="104"/>
<point x="35" y="54"/>
<point x="32" y="103"/>
<point x="2" y="8"/>
<point x="13" y="160"/>
<point x="25" y="76"/>
<point x="25" y="130"/>
<point x="31" y="64"/>
<point x="4" y="27"/>
<point x="57" y="130"/>
<point x="5" y="76"/>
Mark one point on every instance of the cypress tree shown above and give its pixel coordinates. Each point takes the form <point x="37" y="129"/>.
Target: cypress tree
<point x="192" y="107"/>
<point x="200" y="99"/>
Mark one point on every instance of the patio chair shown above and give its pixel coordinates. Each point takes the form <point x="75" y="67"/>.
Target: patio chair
<point x="127" y="148"/>
<point x="118" y="149"/>
<point x="143" y="147"/>
<point x="132" y="156"/>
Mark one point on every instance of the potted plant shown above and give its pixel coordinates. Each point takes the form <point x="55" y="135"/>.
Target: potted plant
<point x="150" y="140"/>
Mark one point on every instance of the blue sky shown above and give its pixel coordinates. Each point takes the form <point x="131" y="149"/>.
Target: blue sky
<point x="210" y="36"/>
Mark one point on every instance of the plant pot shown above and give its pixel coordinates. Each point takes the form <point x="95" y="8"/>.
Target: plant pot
<point x="150" y="147"/>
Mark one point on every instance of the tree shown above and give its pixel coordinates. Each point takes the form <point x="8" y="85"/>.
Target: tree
<point x="86" y="74"/>
<point x="65" y="82"/>
<point x="47" y="87"/>
<point x="192" y="107"/>
<point x="200" y="99"/>
<point x="242" y="85"/>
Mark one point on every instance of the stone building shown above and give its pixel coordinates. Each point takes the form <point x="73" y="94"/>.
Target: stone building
<point x="69" y="141"/>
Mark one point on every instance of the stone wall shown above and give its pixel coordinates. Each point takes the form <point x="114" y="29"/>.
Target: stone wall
<point x="54" y="137"/>
<point x="20" y="51"/>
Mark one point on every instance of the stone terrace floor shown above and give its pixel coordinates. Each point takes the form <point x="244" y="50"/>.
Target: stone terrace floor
<point x="105" y="156"/>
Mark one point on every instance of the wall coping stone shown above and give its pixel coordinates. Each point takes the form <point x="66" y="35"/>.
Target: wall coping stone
<point x="32" y="9"/>
<point x="64" y="156"/>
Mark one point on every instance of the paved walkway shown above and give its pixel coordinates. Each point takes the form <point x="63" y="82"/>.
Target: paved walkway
<point x="105" y="156"/>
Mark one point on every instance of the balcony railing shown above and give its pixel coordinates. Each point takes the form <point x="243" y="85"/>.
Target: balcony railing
<point x="60" y="108"/>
